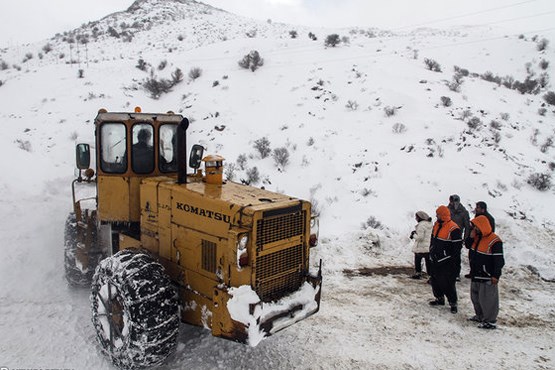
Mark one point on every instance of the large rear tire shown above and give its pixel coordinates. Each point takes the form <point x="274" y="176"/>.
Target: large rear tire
<point x="135" y="310"/>
<point x="77" y="274"/>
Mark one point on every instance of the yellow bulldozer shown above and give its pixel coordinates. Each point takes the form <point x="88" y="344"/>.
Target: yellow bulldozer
<point x="158" y="245"/>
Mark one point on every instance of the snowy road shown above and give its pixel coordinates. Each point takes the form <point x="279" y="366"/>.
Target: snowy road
<point x="378" y="322"/>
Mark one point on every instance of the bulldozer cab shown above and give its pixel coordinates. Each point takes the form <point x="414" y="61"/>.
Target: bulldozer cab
<point x="130" y="147"/>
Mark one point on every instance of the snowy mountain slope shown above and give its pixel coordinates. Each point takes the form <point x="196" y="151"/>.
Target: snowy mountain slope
<point x="352" y="163"/>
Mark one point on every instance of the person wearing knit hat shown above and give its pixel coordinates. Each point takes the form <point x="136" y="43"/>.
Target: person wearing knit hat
<point x="446" y="241"/>
<point x="421" y="248"/>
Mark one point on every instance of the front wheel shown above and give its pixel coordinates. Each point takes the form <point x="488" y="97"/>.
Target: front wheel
<point x="135" y="310"/>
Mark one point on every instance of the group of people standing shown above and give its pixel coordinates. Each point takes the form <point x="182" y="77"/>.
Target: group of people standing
<point x="440" y="245"/>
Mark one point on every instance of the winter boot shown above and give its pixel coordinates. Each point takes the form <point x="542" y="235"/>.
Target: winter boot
<point x="437" y="302"/>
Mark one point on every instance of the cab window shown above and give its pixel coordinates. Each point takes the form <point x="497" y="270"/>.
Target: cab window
<point x="168" y="148"/>
<point x="142" y="150"/>
<point x="113" y="143"/>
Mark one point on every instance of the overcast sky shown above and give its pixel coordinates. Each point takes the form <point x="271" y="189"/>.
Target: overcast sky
<point x="34" y="20"/>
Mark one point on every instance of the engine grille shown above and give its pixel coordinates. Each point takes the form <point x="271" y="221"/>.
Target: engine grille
<point x="269" y="230"/>
<point x="279" y="273"/>
<point x="208" y="256"/>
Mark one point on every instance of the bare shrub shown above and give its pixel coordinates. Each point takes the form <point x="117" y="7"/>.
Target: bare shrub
<point x="399" y="128"/>
<point x="542" y="111"/>
<point x="253" y="176"/>
<point x="351" y="105"/>
<point x="195" y="73"/>
<point x="549" y="98"/>
<point x="230" y="171"/>
<point x="542" y="44"/>
<point x="162" y="65"/>
<point x="490" y="77"/>
<point x="262" y="145"/>
<point x="508" y="81"/>
<point x="540" y="181"/>
<point x="454" y="85"/>
<point x="281" y="156"/>
<point x="24" y="144"/>
<point x="141" y="64"/>
<point x="474" y="123"/>
<point x="293" y="34"/>
<point x="332" y="40"/>
<point x="242" y="161"/>
<point x="446" y="101"/>
<point x="529" y="86"/>
<point x="251" y="33"/>
<point x="27" y="57"/>
<point x="251" y="61"/>
<point x="495" y="125"/>
<point x="47" y="48"/>
<point x="505" y="116"/>
<point x="544" y="64"/>
<point x="345" y="40"/>
<point x="177" y="76"/>
<point x="373" y="222"/>
<point x="548" y="144"/>
<point x="496" y="137"/>
<point x="432" y="65"/>
<point x="310" y="141"/>
<point x="3" y="65"/>
<point x="180" y="37"/>
<point x="80" y="73"/>
<point x="390" y="111"/>
<point x="312" y="36"/>
<point x="461" y="71"/>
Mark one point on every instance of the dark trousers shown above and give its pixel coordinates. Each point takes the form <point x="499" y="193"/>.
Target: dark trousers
<point x="418" y="262"/>
<point x="443" y="282"/>
<point x="457" y="261"/>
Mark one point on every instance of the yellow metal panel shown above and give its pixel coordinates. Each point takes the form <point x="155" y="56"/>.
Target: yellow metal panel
<point x="125" y="241"/>
<point x="134" y="199"/>
<point x="113" y="198"/>
<point x="164" y="223"/>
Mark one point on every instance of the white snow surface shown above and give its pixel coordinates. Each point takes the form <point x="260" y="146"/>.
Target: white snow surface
<point x="353" y="164"/>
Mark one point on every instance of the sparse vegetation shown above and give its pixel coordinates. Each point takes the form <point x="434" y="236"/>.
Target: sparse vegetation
<point x="312" y="36"/>
<point x="242" y="161"/>
<point x="293" y="34"/>
<point x="399" y="128"/>
<point x="540" y="181"/>
<point x="195" y="73"/>
<point x="542" y="44"/>
<point x="141" y="64"/>
<point x="156" y="87"/>
<point x="253" y="176"/>
<point x="549" y="98"/>
<point x="47" y="48"/>
<point x="332" y="40"/>
<point x="474" y="123"/>
<point x="544" y="64"/>
<point x="3" y="65"/>
<point x="230" y="171"/>
<point x="432" y="65"/>
<point x="390" y="111"/>
<point x="373" y="223"/>
<point x="262" y="145"/>
<point x="446" y="101"/>
<point x="351" y="105"/>
<point x="162" y="65"/>
<point x="548" y="144"/>
<point x="251" y="61"/>
<point x="281" y="156"/>
<point x="80" y="73"/>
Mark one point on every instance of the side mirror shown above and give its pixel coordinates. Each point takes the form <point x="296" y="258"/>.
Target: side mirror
<point x="83" y="156"/>
<point x="196" y="156"/>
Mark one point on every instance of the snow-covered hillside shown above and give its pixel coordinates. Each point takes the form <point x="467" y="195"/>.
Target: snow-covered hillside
<point x="373" y="136"/>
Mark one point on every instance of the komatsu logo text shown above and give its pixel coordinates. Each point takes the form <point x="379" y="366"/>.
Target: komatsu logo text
<point x="203" y="212"/>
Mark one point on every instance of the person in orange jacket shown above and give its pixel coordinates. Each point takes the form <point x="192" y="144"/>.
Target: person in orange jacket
<point x="445" y="243"/>
<point x="486" y="263"/>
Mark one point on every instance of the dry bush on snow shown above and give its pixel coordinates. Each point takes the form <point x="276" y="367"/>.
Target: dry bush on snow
<point x="432" y="65"/>
<point x="251" y="61"/>
<point x="549" y="98"/>
<point x="446" y="101"/>
<point x="540" y="181"/>
<point x="262" y="145"/>
<point x="195" y="73"/>
<point x="332" y="40"/>
<point x="281" y="156"/>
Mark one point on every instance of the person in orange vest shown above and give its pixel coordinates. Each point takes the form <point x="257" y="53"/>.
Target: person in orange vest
<point x="486" y="263"/>
<point x="445" y="243"/>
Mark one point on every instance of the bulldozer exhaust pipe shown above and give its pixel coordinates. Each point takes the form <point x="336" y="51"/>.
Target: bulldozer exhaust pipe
<point x="182" y="151"/>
